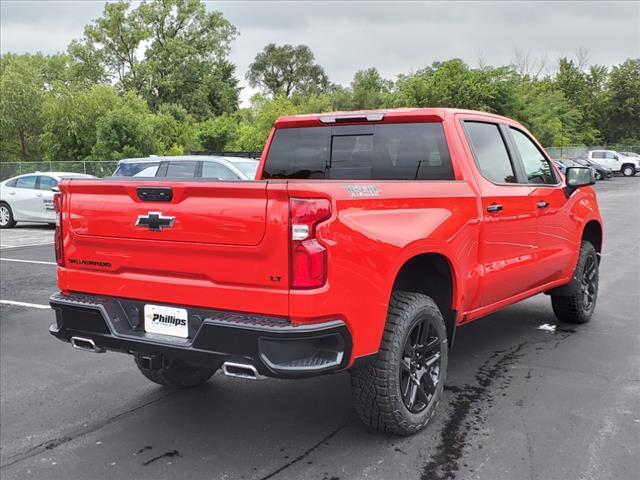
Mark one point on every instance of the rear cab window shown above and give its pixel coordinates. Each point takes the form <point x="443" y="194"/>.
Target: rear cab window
<point x="401" y="151"/>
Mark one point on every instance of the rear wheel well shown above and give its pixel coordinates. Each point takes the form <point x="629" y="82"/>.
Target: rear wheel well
<point x="593" y="233"/>
<point x="431" y="275"/>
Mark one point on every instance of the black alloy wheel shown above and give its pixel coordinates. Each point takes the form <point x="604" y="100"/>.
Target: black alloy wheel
<point x="589" y="283"/>
<point x="420" y="366"/>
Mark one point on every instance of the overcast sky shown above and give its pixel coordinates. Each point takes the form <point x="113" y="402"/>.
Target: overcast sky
<point x="396" y="37"/>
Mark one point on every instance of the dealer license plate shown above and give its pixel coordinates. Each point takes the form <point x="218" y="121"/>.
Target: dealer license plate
<point x="166" y="320"/>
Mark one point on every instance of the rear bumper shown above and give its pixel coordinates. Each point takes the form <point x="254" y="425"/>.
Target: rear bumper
<point x="274" y="346"/>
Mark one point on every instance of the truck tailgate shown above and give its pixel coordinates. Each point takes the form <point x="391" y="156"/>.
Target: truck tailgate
<point x="215" y="246"/>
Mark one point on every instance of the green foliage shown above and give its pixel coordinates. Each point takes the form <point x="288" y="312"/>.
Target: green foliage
<point x="369" y="90"/>
<point x="70" y="119"/>
<point x="551" y="117"/>
<point x="127" y="131"/>
<point x="286" y="70"/>
<point x="21" y="99"/>
<point x="254" y="127"/>
<point x="623" y="105"/>
<point x="158" y="49"/>
<point x="454" y="84"/>
<point x="154" y="78"/>
<point x="217" y="132"/>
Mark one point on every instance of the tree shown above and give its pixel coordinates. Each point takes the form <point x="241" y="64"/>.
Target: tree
<point x="169" y="51"/>
<point x="623" y="102"/>
<point x="369" y="89"/>
<point x="216" y="133"/>
<point x="21" y="99"/>
<point x="114" y="40"/>
<point x="285" y="70"/>
<point x="185" y="62"/>
<point x="256" y="122"/>
<point x="454" y="84"/>
<point x="70" y="118"/>
<point x="126" y="131"/>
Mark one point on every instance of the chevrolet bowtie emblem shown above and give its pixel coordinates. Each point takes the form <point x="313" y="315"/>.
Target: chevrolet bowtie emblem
<point x="155" y="221"/>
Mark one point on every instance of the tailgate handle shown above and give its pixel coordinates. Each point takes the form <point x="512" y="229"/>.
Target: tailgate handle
<point x="155" y="194"/>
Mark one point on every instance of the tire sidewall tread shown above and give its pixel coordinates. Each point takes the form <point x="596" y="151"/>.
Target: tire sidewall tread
<point x="375" y="387"/>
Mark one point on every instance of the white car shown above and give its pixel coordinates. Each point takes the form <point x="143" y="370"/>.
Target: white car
<point x="618" y="162"/>
<point x="189" y="166"/>
<point x="29" y="198"/>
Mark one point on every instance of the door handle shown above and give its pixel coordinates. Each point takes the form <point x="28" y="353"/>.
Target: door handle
<point x="38" y="195"/>
<point x="542" y="204"/>
<point x="494" y="207"/>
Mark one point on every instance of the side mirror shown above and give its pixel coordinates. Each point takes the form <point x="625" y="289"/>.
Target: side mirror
<point x="577" y="177"/>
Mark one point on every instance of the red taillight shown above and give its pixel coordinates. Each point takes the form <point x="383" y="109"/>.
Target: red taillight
<point x="308" y="256"/>
<point x="57" y="204"/>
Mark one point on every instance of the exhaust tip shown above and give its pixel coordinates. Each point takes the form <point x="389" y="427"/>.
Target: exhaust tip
<point x="241" y="370"/>
<point x="86" y="344"/>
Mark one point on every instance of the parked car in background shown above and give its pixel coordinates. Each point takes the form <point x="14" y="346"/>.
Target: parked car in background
<point x="29" y="197"/>
<point x="631" y="154"/>
<point x="189" y="166"/>
<point x="617" y="162"/>
<point x="601" y="171"/>
<point x="564" y="164"/>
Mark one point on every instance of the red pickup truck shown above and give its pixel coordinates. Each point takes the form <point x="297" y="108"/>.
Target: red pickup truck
<point x="368" y="238"/>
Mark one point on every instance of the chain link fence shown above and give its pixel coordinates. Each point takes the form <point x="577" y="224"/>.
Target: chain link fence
<point x="577" y="151"/>
<point x="96" y="168"/>
<point x="104" y="169"/>
<point x="99" y="169"/>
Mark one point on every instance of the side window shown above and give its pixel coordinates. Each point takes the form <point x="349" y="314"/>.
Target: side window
<point x="598" y="155"/>
<point x="26" y="182"/>
<point x="216" y="170"/>
<point x="186" y="169"/>
<point x="12" y="183"/>
<point x="490" y="152"/>
<point x="609" y="155"/>
<point x="148" y="172"/>
<point x="536" y="167"/>
<point x="47" y="183"/>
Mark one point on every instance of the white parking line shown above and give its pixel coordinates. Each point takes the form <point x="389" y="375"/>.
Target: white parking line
<point x="27" y="261"/>
<point x="7" y="247"/>
<point x="24" y="304"/>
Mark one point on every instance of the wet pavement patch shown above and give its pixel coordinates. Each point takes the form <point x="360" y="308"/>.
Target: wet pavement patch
<point x="143" y="449"/>
<point x="470" y="401"/>
<point x="56" y="443"/>
<point x="466" y="414"/>
<point x="170" y="454"/>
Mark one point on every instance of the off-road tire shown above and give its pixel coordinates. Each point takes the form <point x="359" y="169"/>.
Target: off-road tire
<point x="176" y="374"/>
<point x="571" y="308"/>
<point x="7" y="209"/>
<point x="375" y="386"/>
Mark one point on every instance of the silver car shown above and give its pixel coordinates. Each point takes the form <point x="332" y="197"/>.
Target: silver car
<point x="29" y="197"/>
<point x="189" y="166"/>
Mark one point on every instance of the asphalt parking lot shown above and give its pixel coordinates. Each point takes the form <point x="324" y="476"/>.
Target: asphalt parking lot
<point x="520" y="402"/>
